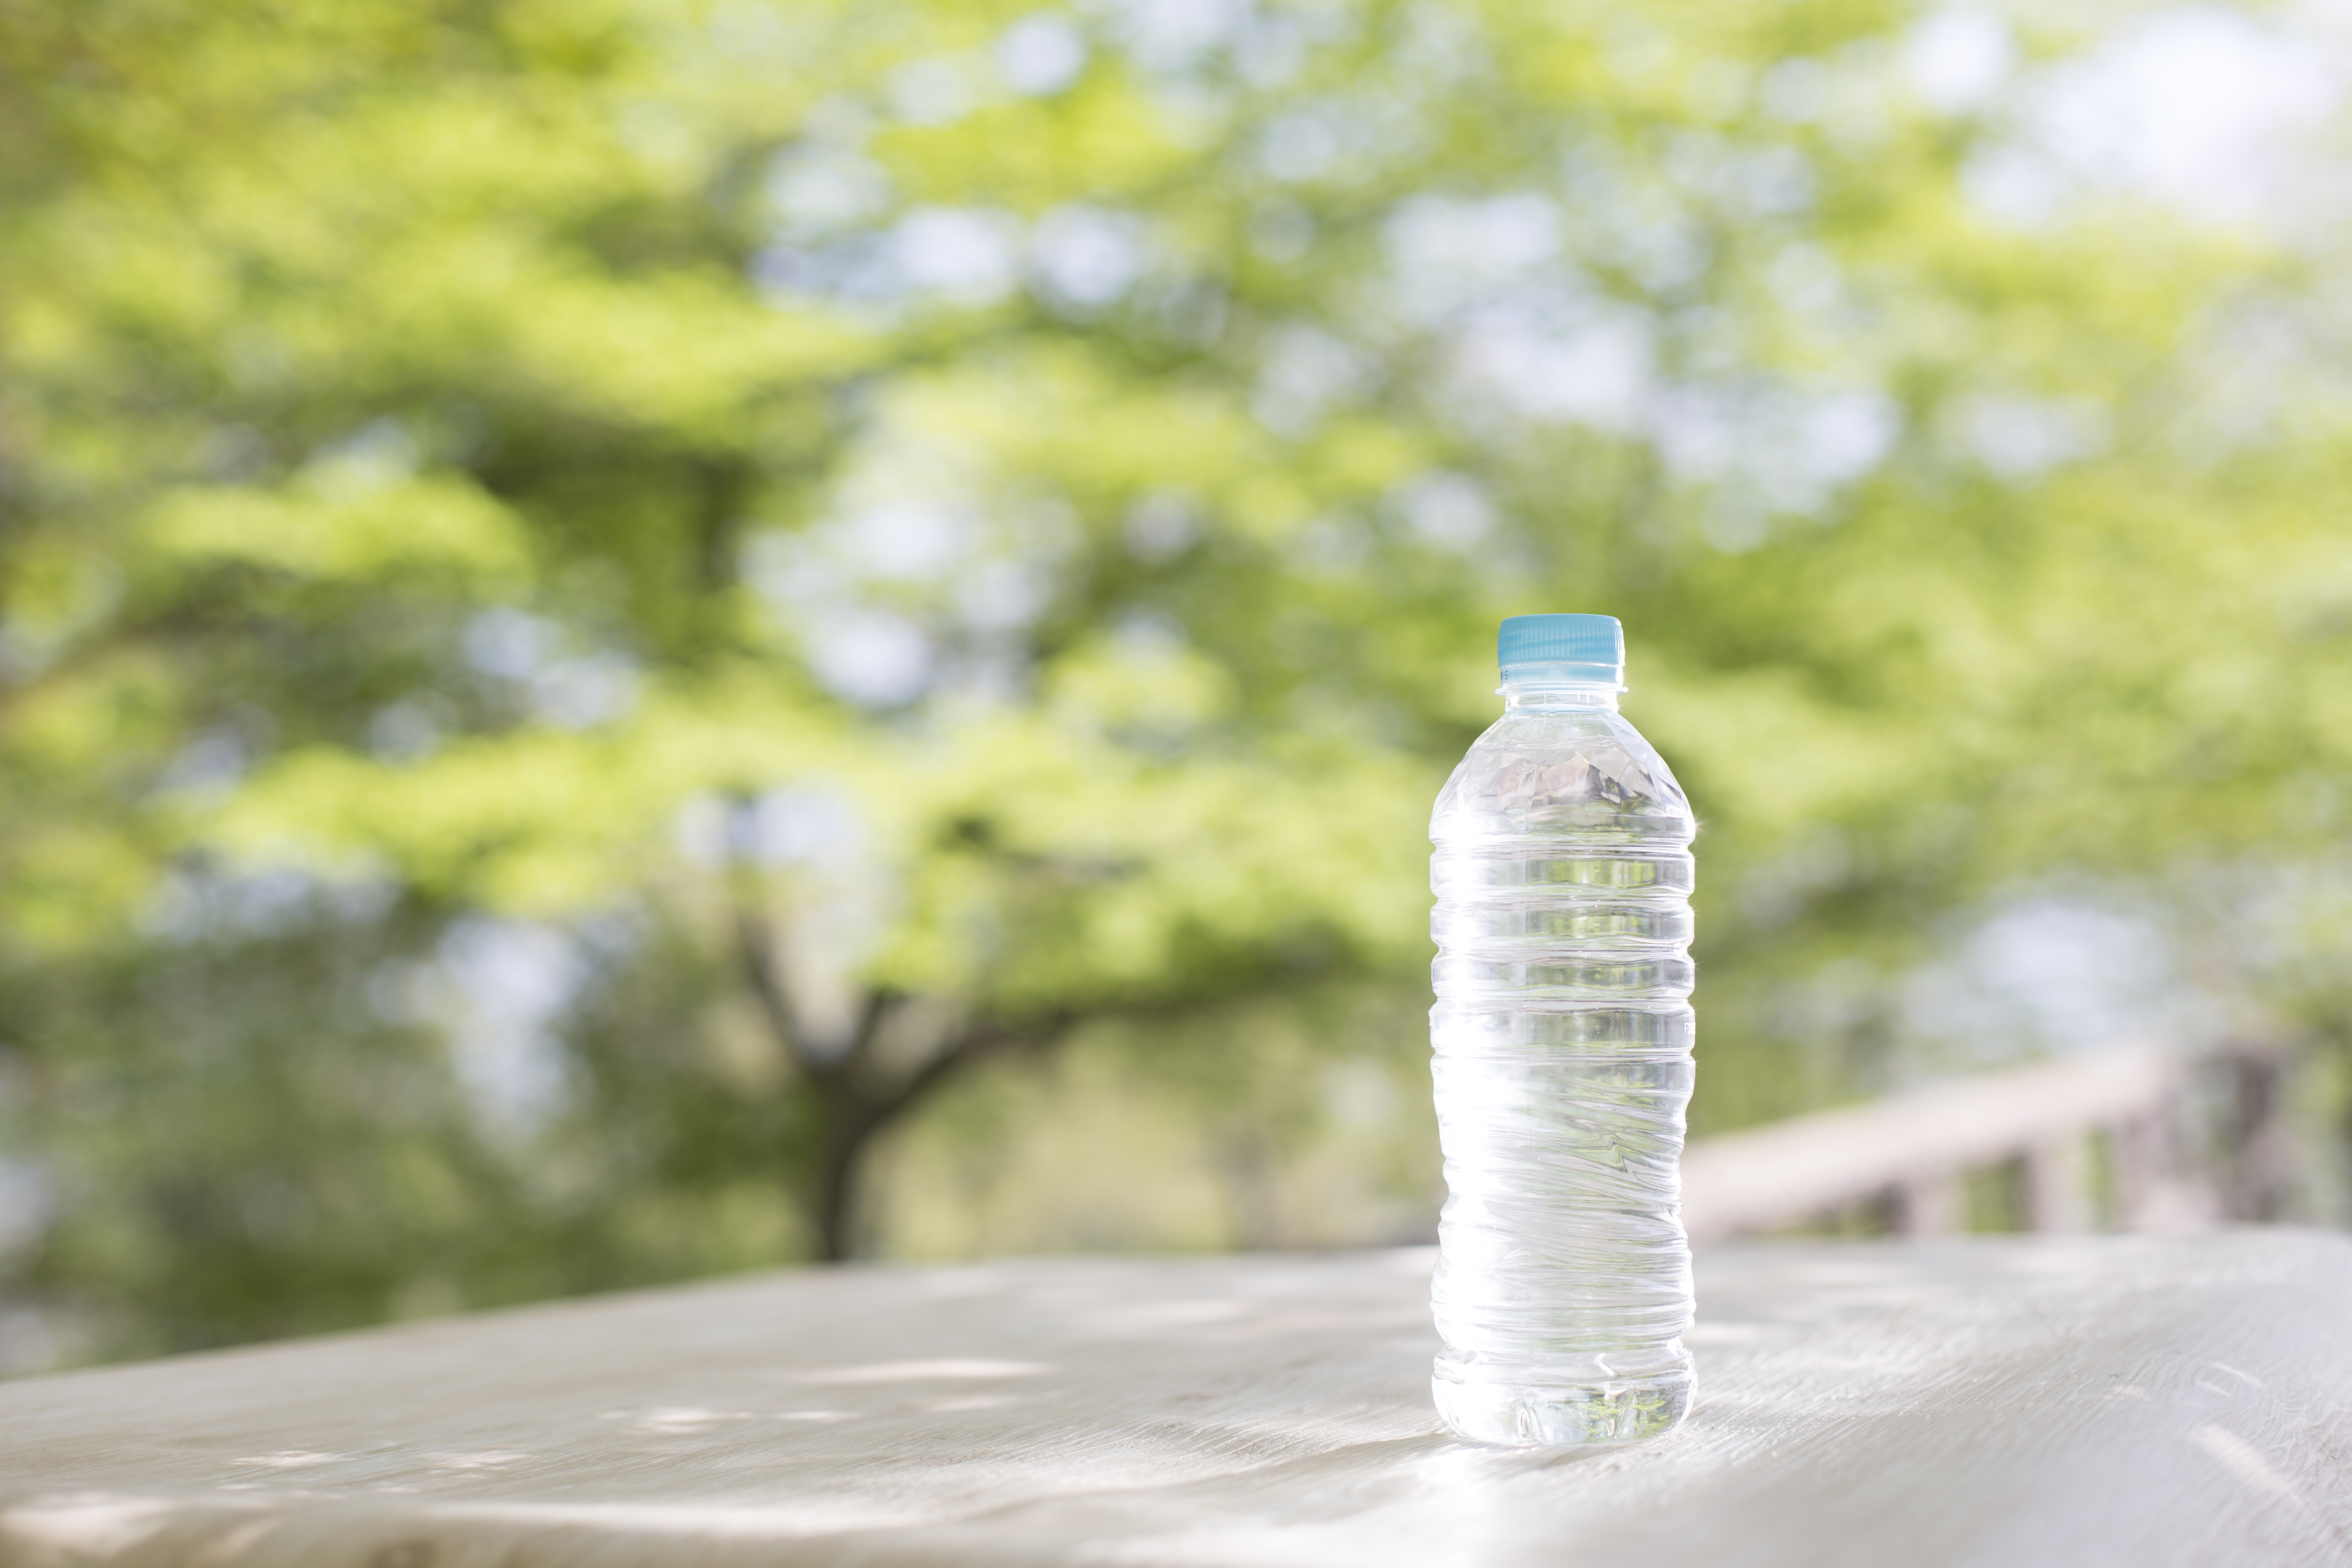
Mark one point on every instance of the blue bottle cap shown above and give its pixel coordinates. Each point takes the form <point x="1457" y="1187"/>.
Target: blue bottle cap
<point x="1566" y="648"/>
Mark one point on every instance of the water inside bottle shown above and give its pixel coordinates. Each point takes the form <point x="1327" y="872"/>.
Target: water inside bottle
<point x="1562" y="1070"/>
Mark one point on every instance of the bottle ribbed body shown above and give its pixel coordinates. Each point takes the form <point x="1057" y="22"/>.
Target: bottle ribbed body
<point x="1561" y="1042"/>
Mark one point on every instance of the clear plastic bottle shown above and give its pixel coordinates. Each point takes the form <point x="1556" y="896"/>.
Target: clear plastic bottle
<point x="1562" y="1058"/>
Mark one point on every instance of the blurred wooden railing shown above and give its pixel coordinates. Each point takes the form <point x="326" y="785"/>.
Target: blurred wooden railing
<point x="2135" y="1137"/>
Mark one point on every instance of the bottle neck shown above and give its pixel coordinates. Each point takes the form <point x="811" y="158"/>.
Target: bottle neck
<point x="1557" y="696"/>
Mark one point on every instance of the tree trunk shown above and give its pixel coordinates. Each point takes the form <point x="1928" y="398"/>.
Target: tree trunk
<point x="849" y="1129"/>
<point x="857" y="1096"/>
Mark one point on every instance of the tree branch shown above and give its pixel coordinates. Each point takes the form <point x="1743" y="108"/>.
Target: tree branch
<point x="755" y="945"/>
<point x="855" y="1111"/>
<point x="880" y="1002"/>
<point x="973" y="1043"/>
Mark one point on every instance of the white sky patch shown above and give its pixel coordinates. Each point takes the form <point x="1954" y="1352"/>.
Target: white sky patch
<point x="208" y="767"/>
<point x="908" y="541"/>
<point x="2022" y="438"/>
<point x="1807" y="279"/>
<point x="1698" y="432"/>
<point x="1771" y="182"/>
<point x="1282" y="232"/>
<point x="1041" y="54"/>
<point x="819" y="189"/>
<point x="916" y="579"/>
<point x="189" y="906"/>
<point x="1305" y="372"/>
<point x="1305" y="144"/>
<point x="377" y="458"/>
<point x="1450" y="511"/>
<point x="510" y="643"/>
<point x="1807" y="440"/>
<point x="1772" y="449"/>
<point x="873" y="657"/>
<point x="1959" y="60"/>
<point x="582" y="693"/>
<point x="507" y="981"/>
<point x="1161" y="526"/>
<point x="1845" y="435"/>
<point x="2214" y="111"/>
<point x="1003" y="595"/>
<point x="2053" y="975"/>
<point x="1170" y="35"/>
<point x="801" y="825"/>
<point x="700" y="832"/>
<point x="936" y="91"/>
<point x="1088" y="256"/>
<point x="571" y="690"/>
<point x="410" y="729"/>
<point x="1449" y="254"/>
<point x="1590" y="365"/>
<point x="969" y="256"/>
<point x="1795" y="91"/>
<point x="843" y="897"/>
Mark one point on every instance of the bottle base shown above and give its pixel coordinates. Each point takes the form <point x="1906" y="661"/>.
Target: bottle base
<point x="1524" y="1415"/>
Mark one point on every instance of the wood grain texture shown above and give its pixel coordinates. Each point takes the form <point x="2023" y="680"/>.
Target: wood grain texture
<point x="2140" y="1401"/>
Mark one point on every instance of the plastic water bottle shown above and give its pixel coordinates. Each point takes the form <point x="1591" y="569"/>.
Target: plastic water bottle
<point x="1562" y="1058"/>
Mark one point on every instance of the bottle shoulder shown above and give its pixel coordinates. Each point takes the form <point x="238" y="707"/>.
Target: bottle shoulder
<point x="1577" y="773"/>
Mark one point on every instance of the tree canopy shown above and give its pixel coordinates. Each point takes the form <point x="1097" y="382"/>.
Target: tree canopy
<point x="891" y="535"/>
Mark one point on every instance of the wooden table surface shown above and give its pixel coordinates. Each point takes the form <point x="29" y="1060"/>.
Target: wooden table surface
<point x="2099" y="1400"/>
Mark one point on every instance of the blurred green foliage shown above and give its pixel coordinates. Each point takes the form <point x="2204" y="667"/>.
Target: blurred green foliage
<point x="849" y="548"/>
